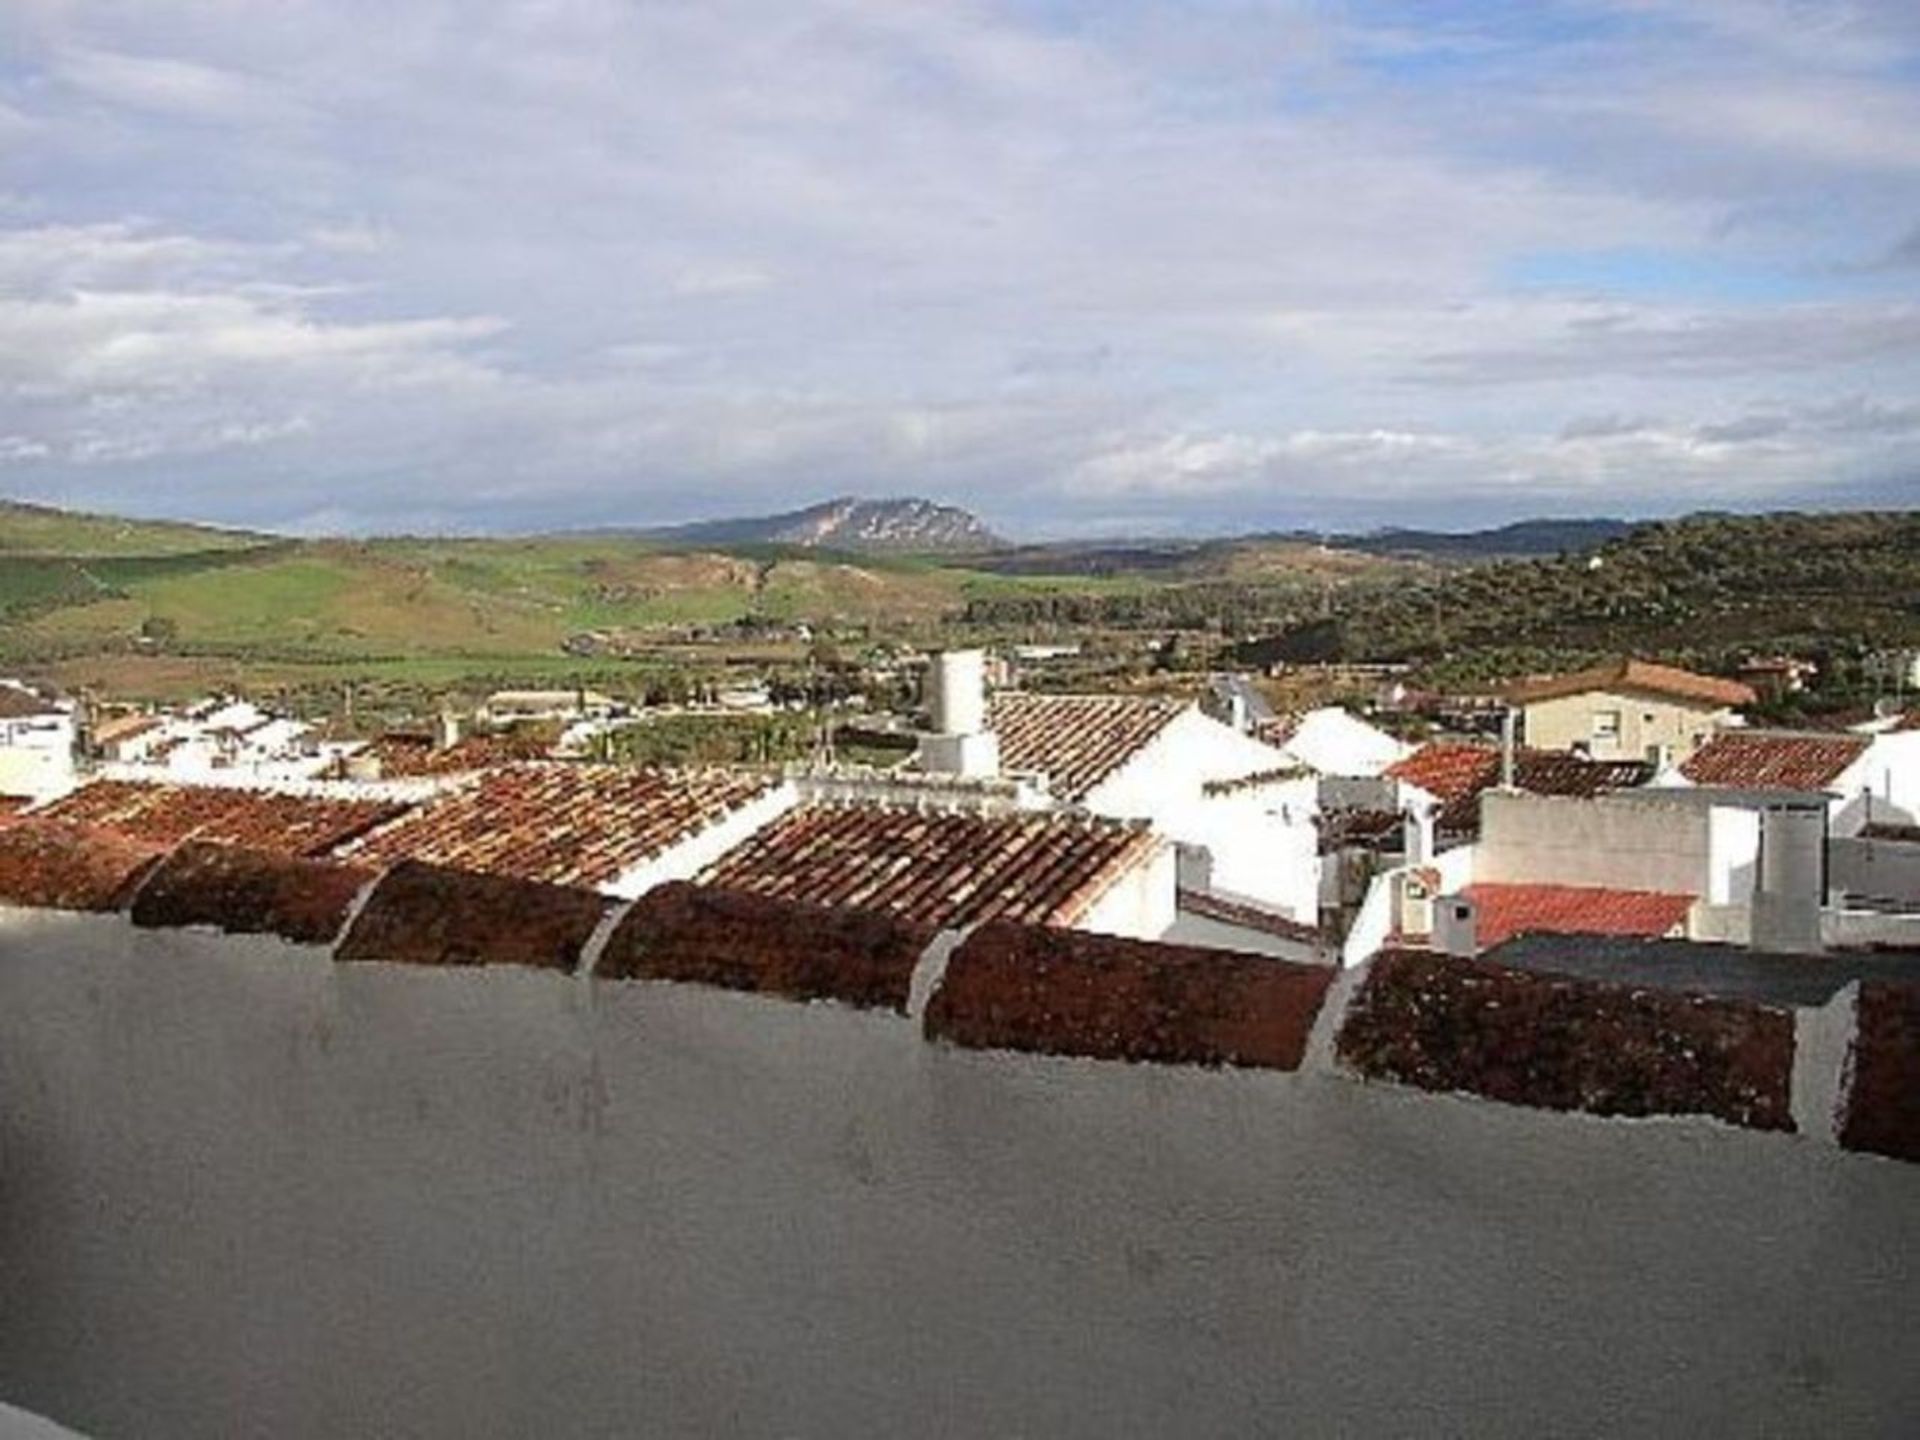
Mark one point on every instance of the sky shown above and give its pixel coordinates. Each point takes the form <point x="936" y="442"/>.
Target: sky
<point x="1086" y="267"/>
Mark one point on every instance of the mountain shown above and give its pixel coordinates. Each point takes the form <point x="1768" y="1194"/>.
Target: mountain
<point x="895" y="526"/>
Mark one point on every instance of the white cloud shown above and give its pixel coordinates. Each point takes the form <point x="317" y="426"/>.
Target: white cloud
<point x="602" y="261"/>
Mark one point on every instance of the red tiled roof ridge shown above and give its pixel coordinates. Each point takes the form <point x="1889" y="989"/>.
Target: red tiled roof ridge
<point x="564" y="822"/>
<point x="1641" y="675"/>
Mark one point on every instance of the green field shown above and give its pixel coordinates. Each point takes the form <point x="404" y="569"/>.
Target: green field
<point x="165" y="610"/>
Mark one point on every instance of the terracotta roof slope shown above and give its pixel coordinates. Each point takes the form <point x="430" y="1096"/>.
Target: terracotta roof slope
<point x="283" y="823"/>
<point x="1767" y="759"/>
<point x="561" y="823"/>
<point x="938" y="868"/>
<point x="68" y="867"/>
<point x="1641" y="676"/>
<point x="1448" y="769"/>
<point x="1077" y="741"/>
<point x="1503" y="911"/>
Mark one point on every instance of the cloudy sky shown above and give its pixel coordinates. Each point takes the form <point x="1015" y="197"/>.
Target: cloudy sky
<point x="1084" y="265"/>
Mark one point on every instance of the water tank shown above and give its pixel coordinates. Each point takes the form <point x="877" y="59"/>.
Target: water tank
<point x="1792" y="877"/>
<point x="959" y="698"/>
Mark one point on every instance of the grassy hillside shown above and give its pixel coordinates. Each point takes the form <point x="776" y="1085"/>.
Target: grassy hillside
<point x="40" y="530"/>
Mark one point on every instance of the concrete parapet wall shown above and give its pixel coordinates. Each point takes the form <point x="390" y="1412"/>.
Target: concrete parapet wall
<point x="251" y="1190"/>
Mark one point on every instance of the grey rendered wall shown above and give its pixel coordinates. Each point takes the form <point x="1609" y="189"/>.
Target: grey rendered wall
<point x="245" y="1192"/>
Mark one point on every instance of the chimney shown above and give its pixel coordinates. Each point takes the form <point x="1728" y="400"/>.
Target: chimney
<point x="1417" y="834"/>
<point x="1456" y="927"/>
<point x="1509" y="723"/>
<point x="961" y="744"/>
<point x="446" y="730"/>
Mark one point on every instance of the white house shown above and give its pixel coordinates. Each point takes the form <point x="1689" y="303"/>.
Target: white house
<point x="37" y="738"/>
<point x="1333" y="741"/>
<point x="1241" y="810"/>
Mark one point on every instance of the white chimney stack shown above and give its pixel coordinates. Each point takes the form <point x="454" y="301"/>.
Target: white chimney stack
<point x="959" y="699"/>
<point x="961" y="744"/>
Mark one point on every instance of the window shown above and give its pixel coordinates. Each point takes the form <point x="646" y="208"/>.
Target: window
<point x="1606" y="724"/>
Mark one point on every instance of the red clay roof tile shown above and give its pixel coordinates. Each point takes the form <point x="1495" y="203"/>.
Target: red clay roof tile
<point x="1763" y="759"/>
<point x="1503" y="911"/>
<point x="426" y="915"/>
<point x="1066" y="992"/>
<point x="1641" y="677"/>
<point x="250" y="892"/>
<point x="943" y="869"/>
<point x="562" y="823"/>
<point x="748" y="942"/>
<point x="1077" y="741"/>
<point x="1562" y="1044"/>
<point x="287" y="824"/>
<point x="69" y="867"/>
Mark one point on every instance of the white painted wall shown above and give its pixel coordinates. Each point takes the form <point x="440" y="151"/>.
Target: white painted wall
<point x="1335" y="741"/>
<point x="687" y="859"/>
<point x="1877" y="869"/>
<point x="1624" y="842"/>
<point x="1263" y="841"/>
<point x="1141" y="903"/>
<point x="36" y="755"/>
<point x="249" y="1193"/>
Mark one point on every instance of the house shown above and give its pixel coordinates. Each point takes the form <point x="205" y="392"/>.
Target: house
<point x="128" y="739"/>
<point x="1241" y="810"/>
<point x="38" y="735"/>
<point x="1629" y="710"/>
<point x="1778" y="676"/>
<point x="513" y="707"/>
<point x="614" y="828"/>
<point x="1867" y="779"/>
<point x="1450" y="777"/>
<point x="951" y="869"/>
<point x="1332" y="740"/>
<point x="1235" y="700"/>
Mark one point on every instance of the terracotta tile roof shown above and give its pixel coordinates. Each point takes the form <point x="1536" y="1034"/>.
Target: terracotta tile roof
<point x="1458" y="772"/>
<point x="1503" y="911"/>
<point x="68" y="867"/>
<point x="250" y="892"/>
<point x="1758" y="759"/>
<point x="748" y="942"/>
<point x="12" y="805"/>
<point x="286" y="824"/>
<point x="18" y="703"/>
<point x="937" y="868"/>
<point x="1641" y="677"/>
<point x="1247" y="916"/>
<point x="124" y="727"/>
<point x="1076" y="741"/>
<point x="561" y="823"/>
<point x="1564" y="1044"/>
<point x="404" y="756"/>
<point x="1065" y="992"/>
<point x="425" y="915"/>
<point x="1449" y="769"/>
